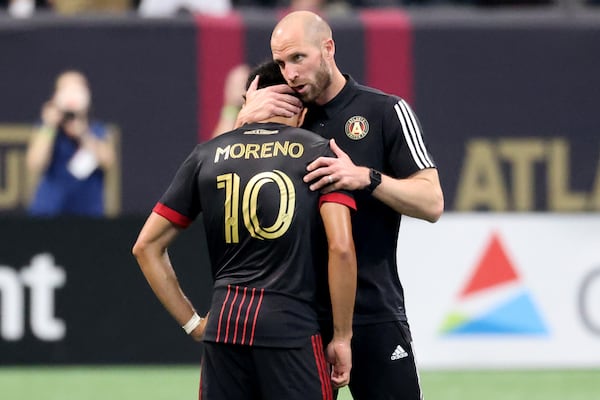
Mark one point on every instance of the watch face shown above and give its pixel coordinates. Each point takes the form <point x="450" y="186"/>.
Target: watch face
<point x="375" y="177"/>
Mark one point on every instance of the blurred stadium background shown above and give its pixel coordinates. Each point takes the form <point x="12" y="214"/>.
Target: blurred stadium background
<point x="505" y="306"/>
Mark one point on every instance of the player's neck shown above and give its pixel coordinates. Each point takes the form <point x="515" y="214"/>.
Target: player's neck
<point x="291" y="121"/>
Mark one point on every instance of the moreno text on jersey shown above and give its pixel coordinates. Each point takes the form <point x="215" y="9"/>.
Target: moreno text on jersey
<point x="255" y="150"/>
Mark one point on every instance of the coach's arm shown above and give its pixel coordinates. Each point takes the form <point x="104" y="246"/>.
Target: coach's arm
<point x="419" y="195"/>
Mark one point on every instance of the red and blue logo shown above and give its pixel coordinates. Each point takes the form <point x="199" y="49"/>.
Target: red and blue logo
<point x="494" y="301"/>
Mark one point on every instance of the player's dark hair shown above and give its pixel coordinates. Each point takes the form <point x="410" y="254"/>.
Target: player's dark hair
<point x="269" y="73"/>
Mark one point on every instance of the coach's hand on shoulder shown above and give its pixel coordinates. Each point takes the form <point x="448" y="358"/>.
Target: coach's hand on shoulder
<point x="336" y="173"/>
<point x="198" y="333"/>
<point x="339" y="355"/>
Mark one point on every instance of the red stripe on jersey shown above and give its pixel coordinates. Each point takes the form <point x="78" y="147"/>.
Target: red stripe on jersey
<point x="340" y="198"/>
<point x="221" y="313"/>
<point x="220" y="44"/>
<point x="262" y="292"/>
<point x="237" y="318"/>
<point x="389" y="71"/>
<point x="247" y="314"/>
<point x="172" y="215"/>
<point x="229" y="315"/>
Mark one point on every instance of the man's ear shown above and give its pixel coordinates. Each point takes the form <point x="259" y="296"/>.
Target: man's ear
<point x="301" y="116"/>
<point x="329" y="48"/>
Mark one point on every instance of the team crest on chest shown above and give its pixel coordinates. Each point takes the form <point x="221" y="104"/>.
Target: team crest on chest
<point x="357" y="127"/>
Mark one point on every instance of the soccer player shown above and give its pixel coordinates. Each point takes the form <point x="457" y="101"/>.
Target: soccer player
<point x="271" y="240"/>
<point x="385" y="161"/>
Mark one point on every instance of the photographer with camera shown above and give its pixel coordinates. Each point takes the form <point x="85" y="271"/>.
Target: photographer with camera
<point x="69" y="153"/>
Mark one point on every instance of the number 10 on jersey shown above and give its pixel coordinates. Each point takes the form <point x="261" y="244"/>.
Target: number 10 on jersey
<point x="287" y="200"/>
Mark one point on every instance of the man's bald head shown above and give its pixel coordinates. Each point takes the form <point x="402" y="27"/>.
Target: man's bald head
<point x="307" y="25"/>
<point x="303" y="47"/>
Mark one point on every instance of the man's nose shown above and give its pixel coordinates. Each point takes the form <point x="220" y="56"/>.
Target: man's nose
<point x="291" y="74"/>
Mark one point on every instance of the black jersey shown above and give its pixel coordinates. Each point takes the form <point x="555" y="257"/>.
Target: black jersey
<point x="265" y="237"/>
<point x="379" y="131"/>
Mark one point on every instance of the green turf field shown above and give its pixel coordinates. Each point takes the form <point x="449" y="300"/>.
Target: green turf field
<point x="180" y="383"/>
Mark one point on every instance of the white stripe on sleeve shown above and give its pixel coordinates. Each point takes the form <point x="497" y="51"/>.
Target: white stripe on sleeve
<point x="412" y="134"/>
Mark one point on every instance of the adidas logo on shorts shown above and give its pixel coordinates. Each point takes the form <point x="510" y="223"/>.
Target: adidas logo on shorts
<point x="398" y="353"/>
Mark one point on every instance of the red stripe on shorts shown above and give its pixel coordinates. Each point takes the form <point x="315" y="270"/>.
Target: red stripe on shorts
<point x="317" y="345"/>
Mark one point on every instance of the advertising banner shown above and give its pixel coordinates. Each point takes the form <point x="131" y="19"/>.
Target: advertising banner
<point x="482" y="291"/>
<point x="71" y="292"/>
<point x="502" y="290"/>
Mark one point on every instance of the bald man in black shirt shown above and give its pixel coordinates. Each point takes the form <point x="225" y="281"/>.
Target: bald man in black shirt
<point x="382" y="157"/>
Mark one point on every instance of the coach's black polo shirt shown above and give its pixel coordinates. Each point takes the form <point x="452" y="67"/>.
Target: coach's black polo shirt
<point x="379" y="131"/>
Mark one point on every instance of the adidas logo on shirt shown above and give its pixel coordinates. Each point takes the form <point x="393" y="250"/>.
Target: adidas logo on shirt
<point x="398" y="353"/>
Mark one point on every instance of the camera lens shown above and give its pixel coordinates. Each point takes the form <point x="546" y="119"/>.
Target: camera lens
<point x="69" y="115"/>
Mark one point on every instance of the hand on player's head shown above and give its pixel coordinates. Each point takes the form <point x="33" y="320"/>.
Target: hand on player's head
<point x="268" y="102"/>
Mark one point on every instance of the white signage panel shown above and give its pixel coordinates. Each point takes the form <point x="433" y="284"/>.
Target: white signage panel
<point x="503" y="290"/>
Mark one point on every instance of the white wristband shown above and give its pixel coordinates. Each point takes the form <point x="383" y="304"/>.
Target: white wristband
<point x="192" y="323"/>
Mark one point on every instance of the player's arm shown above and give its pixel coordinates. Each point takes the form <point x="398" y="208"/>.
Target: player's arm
<point x="419" y="195"/>
<point x="150" y="250"/>
<point x="342" y="287"/>
<point x="265" y="103"/>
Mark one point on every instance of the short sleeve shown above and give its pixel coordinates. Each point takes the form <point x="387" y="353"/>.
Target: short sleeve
<point x="404" y="141"/>
<point x="180" y="204"/>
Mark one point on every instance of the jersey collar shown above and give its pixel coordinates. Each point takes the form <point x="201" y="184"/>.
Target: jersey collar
<point x="335" y="105"/>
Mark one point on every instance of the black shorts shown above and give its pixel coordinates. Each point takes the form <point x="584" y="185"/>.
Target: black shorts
<point x="383" y="363"/>
<point x="265" y="373"/>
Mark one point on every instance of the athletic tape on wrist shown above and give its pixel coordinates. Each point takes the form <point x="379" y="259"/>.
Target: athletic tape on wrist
<point x="192" y="323"/>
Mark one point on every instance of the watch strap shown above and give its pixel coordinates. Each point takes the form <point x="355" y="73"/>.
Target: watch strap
<point x="375" y="177"/>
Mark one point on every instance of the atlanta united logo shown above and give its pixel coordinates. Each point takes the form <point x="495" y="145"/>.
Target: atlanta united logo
<point x="357" y="127"/>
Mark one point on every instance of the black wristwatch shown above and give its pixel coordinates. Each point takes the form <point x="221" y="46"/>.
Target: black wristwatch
<point x="375" y="177"/>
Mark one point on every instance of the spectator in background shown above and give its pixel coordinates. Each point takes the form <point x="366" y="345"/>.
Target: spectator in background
<point x="70" y="7"/>
<point x="233" y="98"/>
<point x="168" y="8"/>
<point x="329" y="7"/>
<point x="318" y="6"/>
<point x="26" y="8"/>
<point x="23" y="8"/>
<point x="69" y="153"/>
